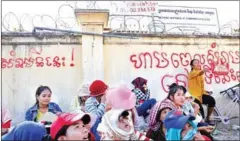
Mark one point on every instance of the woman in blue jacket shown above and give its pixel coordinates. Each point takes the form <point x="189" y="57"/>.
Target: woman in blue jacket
<point x="42" y="105"/>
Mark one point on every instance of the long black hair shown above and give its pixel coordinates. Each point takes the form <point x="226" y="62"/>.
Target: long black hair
<point x="173" y="88"/>
<point x="191" y="63"/>
<point x="39" y="90"/>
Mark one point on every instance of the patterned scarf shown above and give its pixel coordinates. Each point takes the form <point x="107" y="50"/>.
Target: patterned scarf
<point x="139" y="82"/>
<point x="153" y="123"/>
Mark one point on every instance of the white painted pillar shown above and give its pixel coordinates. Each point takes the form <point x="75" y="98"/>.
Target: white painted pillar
<point x="93" y="21"/>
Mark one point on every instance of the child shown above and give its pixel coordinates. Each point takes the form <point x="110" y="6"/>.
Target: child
<point x="123" y="98"/>
<point x="117" y="124"/>
<point x="181" y="127"/>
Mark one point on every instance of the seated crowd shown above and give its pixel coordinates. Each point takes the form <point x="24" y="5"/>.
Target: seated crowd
<point x="102" y="113"/>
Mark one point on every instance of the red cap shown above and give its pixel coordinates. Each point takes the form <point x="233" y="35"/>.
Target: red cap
<point x="66" y="119"/>
<point x="97" y="88"/>
<point x="6" y="124"/>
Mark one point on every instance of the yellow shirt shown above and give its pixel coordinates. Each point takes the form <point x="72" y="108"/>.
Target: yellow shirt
<point x="39" y="115"/>
<point x="196" y="84"/>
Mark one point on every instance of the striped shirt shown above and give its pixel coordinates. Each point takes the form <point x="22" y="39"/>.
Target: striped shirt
<point x="94" y="107"/>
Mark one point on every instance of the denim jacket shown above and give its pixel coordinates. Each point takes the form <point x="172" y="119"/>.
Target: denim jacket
<point x="32" y="112"/>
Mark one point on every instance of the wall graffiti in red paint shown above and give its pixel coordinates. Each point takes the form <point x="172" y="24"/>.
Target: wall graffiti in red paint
<point x="181" y="78"/>
<point x="157" y="59"/>
<point x="38" y="61"/>
<point x="218" y="62"/>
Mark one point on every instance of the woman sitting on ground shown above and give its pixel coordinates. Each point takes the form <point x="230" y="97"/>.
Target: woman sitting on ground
<point x="143" y="101"/>
<point x="42" y="105"/>
<point x="157" y="130"/>
<point x="176" y="98"/>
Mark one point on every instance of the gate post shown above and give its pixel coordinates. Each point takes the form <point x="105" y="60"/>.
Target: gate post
<point x="94" y="21"/>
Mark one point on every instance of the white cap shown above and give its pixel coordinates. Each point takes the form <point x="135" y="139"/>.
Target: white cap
<point x="84" y="90"/>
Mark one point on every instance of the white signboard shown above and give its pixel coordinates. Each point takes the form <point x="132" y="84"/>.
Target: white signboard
<point x="189" y="19"/>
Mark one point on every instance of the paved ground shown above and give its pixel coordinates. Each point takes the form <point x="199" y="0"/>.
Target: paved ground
<point x="226" y="134"/>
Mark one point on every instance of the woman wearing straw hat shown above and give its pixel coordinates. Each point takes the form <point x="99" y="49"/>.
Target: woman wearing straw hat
<point x="78" y="103"/>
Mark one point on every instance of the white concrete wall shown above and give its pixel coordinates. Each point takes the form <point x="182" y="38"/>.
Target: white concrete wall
<point x="123" y="61"/>
<point x="19" y="84"/>
<point x="165" y="62"/>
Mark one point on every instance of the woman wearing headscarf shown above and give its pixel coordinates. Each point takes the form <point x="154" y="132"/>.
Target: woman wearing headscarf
<point x="117" y="124"/>
<point x="175" y="100"/>
<point x="143" y="102"/>
<point x="157" y="130"/>
<point x="26" y="131"/>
